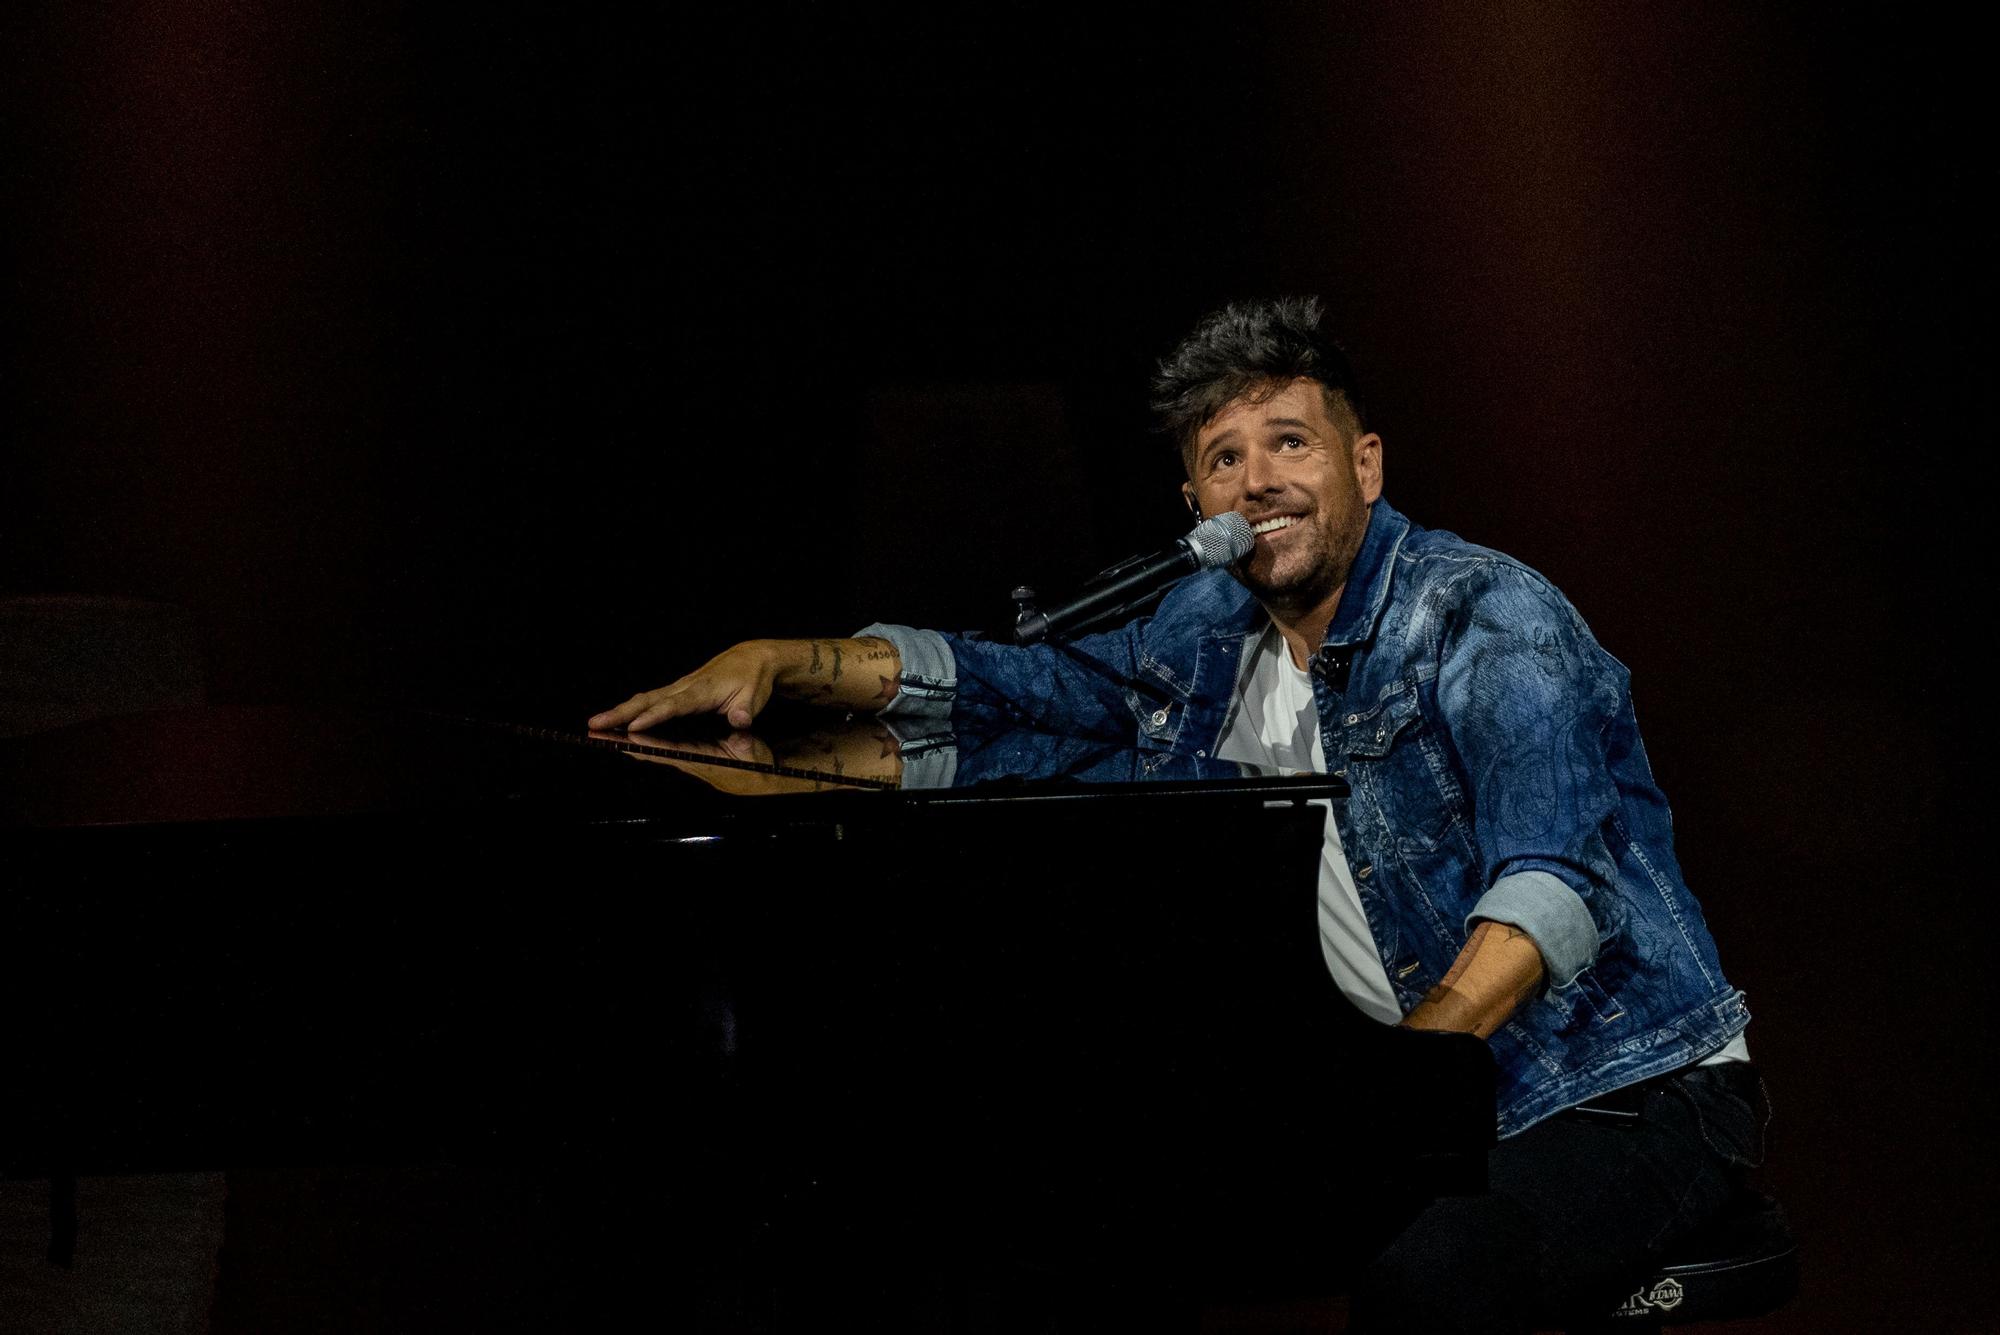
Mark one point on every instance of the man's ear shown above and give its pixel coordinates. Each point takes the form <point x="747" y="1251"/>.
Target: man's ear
<point x="1187" y="494"/>
<point x="1368" y="466"/>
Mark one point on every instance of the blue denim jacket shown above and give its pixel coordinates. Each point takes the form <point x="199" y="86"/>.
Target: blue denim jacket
<point x="1495" y="771"/>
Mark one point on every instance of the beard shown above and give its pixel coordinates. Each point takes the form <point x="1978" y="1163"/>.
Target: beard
<point x="1301" y="579"/>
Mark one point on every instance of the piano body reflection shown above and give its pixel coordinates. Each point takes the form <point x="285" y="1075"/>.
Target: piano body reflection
<point x="845" y="1009"/>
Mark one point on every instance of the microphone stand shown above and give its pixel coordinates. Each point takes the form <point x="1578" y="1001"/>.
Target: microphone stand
<point x="1024" y="603"/>
<point x="1124" y="588"/>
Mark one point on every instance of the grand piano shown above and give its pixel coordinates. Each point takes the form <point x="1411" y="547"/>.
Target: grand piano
<point x="816" y="1019"/>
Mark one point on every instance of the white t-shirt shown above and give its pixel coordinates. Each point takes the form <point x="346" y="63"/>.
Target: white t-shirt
<point x="1276" y="725"/>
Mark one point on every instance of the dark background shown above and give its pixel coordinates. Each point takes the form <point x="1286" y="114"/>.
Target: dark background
<point x="520" y="356"/>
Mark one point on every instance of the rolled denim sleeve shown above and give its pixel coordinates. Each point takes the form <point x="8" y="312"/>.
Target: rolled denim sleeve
<point x="1541" y="905"/>
<point x="928" y="750"/>
<point x="927" y="682"/>
<point x="1088" y="686"/>
<point x="1535" y="709"/>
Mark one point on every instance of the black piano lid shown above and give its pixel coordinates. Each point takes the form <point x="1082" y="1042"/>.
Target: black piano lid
<point x="407" y="936"/>
<point x="247" y="764"/>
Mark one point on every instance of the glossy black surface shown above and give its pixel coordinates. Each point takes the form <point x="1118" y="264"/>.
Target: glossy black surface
<point x="1067" y="1018"/>
<point x="209" y="765"/>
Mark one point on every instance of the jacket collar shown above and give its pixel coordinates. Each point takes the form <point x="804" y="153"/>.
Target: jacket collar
<point x="1367" y="591"/>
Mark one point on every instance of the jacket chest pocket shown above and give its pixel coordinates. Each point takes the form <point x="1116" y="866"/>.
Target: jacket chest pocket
<point x="1396" y="757"/>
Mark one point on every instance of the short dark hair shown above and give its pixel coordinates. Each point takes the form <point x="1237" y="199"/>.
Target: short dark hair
<point x="1254" y="348"/>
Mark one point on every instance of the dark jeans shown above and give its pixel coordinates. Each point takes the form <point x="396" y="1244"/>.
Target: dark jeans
<point x="1581" y="1208"/>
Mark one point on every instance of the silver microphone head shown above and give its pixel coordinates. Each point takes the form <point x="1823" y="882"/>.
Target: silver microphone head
<point x="1221" y="540"/>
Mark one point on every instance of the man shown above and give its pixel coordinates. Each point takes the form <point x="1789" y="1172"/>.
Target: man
<point x="1503" y="864"/>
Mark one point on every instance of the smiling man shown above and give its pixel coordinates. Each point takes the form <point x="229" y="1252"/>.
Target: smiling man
<point x="1503" y="864"/>
<point x="1278" y="455"/>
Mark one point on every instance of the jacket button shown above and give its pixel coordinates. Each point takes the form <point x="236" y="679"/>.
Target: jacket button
<point x="1340" y="773"/>
<point x="1380" y="733"/>
<point x="1362" y="872"/>
<point x="1160" y="718"/>
<point x="1353" y="719"/>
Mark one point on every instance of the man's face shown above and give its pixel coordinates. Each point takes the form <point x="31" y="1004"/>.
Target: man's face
<point x="1283" y="465"/>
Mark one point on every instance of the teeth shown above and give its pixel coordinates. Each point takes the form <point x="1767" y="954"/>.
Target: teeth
<point x="1273" y="525"/>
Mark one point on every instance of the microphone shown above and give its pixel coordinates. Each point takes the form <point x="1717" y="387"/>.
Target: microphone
<point x="1216" y="541"/>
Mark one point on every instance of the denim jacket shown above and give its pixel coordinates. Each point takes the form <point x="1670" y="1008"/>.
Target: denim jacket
<point x="1494" y="768"/>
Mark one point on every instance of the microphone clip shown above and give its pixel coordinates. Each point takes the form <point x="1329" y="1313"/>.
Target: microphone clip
<point x="1025" y="610"/>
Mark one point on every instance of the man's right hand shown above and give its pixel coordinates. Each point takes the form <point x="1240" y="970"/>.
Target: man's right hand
<point x="738" y="682"/>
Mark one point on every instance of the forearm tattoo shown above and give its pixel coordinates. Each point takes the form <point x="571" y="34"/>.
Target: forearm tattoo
<point x="831" y="658"/>
<point x="826" y="662"/>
